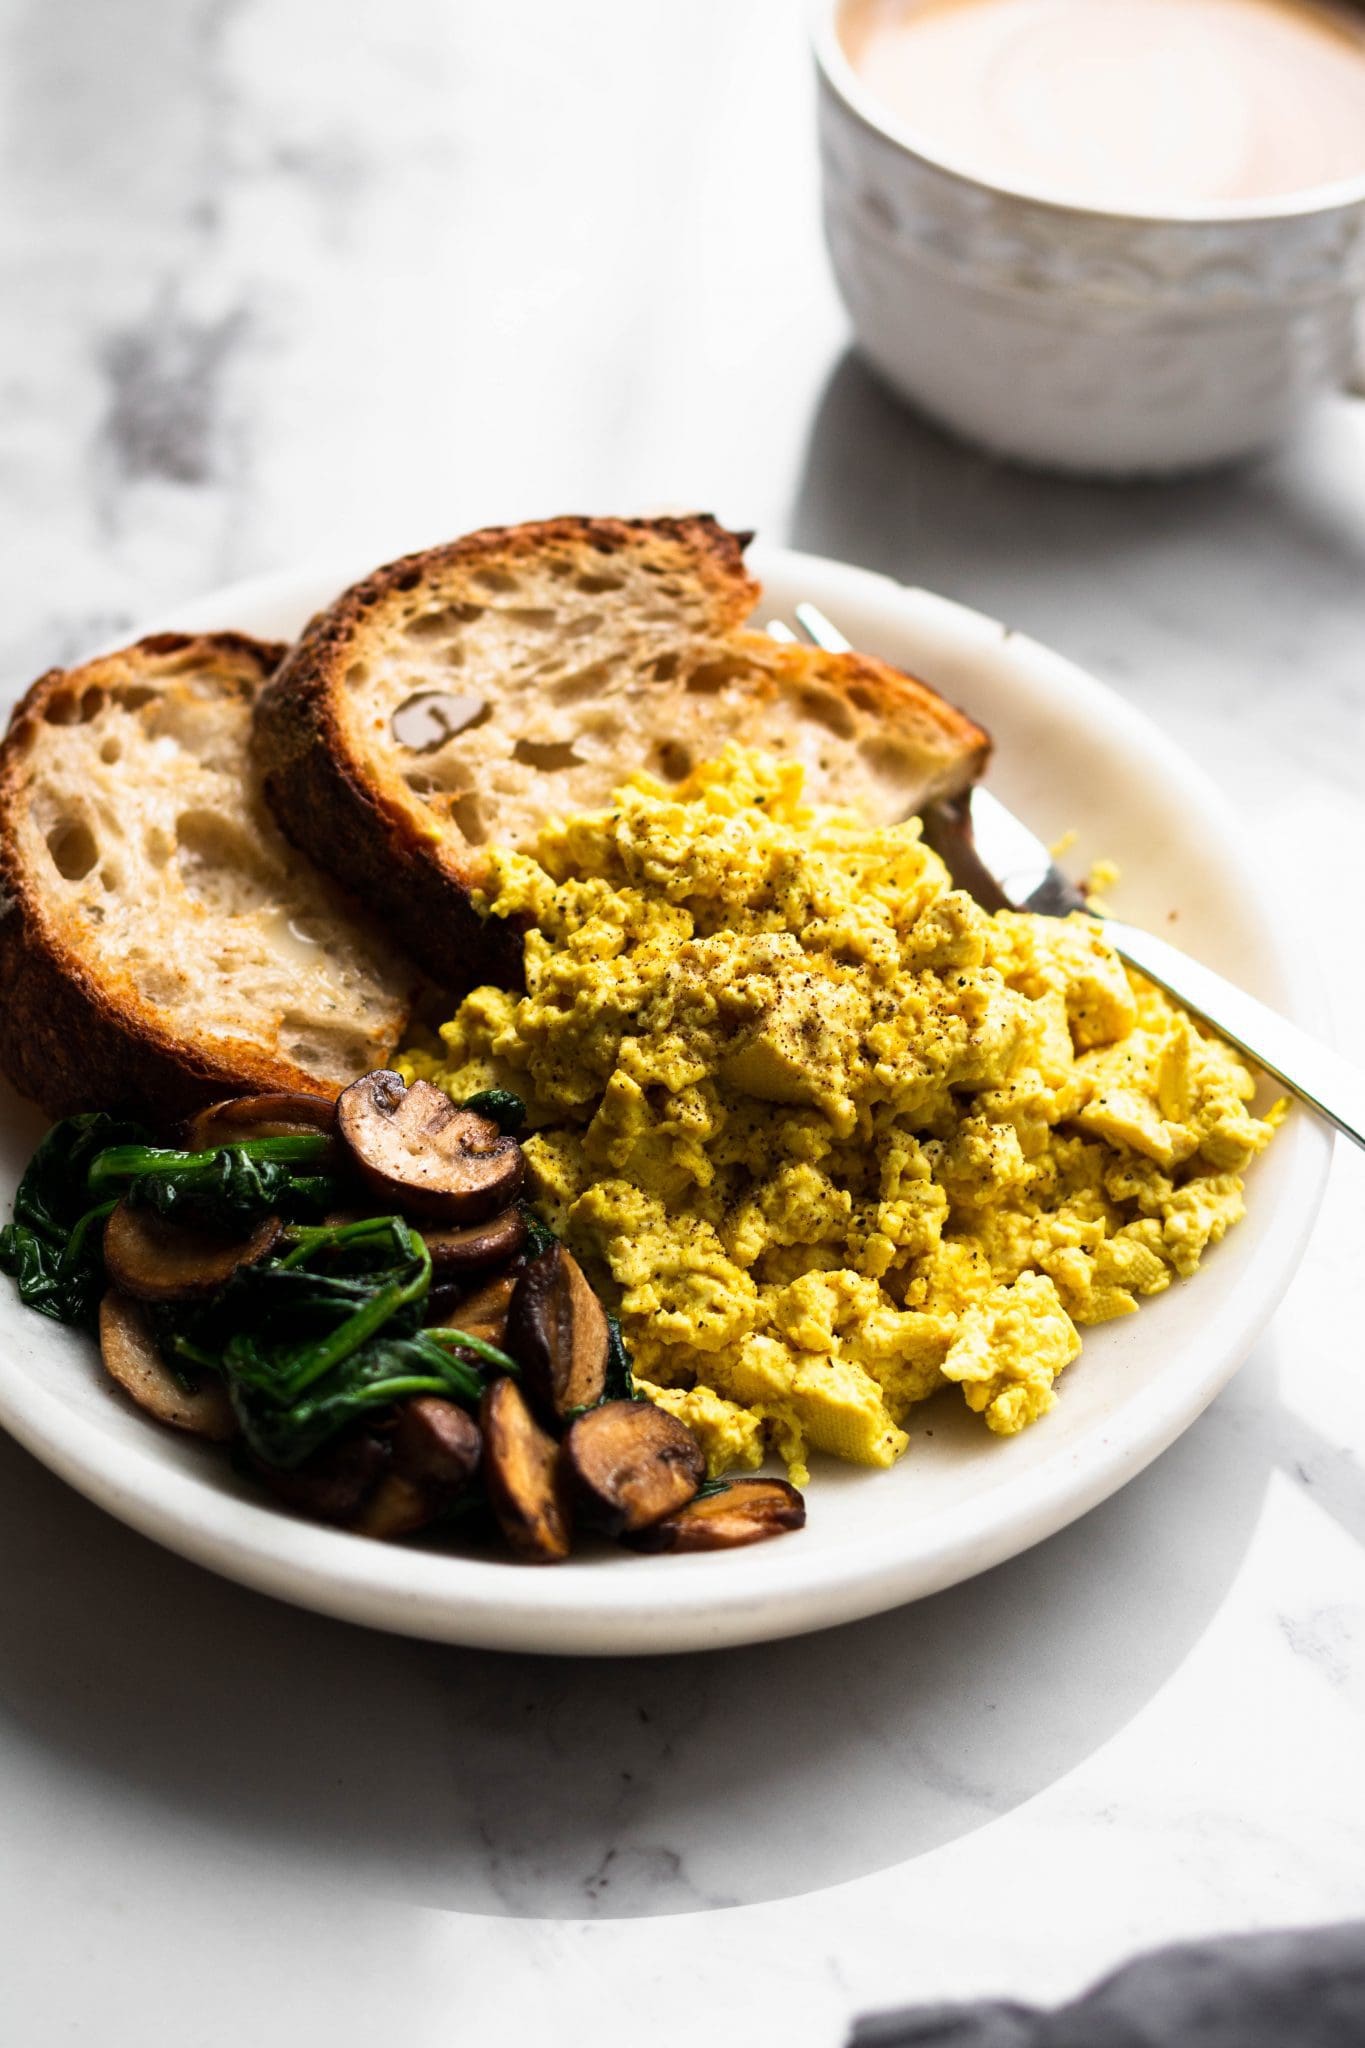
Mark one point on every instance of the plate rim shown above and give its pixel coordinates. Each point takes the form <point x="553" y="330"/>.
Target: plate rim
<point x="505" y="1607"/>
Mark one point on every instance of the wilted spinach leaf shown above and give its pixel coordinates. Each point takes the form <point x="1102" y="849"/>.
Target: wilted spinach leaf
<point x="228" y="1188"/>
<point x="620" y="1384"/>
<point x="283" y="1428"/>
<point x="500" y="1106"/>
<point x="52" y="1248"/>
<point x="310" y="1342"/>
<point x="539" y="1236"/>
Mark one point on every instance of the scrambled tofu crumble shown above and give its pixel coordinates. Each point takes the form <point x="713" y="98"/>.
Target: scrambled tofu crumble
<point x="827" y="1134"/>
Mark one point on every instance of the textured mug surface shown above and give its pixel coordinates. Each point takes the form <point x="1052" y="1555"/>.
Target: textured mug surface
<point x="1075" y="338"/>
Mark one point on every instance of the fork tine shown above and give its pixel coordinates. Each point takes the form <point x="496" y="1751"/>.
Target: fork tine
<point x="821" y="630"/>
<point x="815" y="627"/>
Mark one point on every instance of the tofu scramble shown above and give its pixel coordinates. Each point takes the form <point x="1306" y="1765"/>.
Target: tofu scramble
<point x="828" y="1135"/>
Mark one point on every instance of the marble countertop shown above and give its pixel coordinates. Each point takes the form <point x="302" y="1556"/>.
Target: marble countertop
<point x="288" y="280"/>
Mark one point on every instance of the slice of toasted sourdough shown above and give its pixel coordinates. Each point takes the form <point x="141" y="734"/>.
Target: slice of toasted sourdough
<point x="161" y="943"/>
<point x="460" y="697"/>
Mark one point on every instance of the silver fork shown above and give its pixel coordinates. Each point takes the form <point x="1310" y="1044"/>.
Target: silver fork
<point x="994" y="856"/>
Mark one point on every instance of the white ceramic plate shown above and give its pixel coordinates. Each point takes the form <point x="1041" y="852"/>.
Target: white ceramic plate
<point x="1069" y="755"/>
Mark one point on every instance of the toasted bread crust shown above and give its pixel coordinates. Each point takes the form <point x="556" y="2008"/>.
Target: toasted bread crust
<point x="66" y="1047"/>
<point x="72" y="1039"/>
<point x="420" y="882"/>
<point x="421" y="890"/>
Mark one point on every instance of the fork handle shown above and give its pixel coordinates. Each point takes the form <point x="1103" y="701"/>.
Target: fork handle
<point x="1326" y="1082"/>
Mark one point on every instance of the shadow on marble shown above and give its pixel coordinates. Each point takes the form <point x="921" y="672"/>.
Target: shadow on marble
<point x="556" y="1789"/>
<point x="884" y="487"/>
<point x="1327" y="1470"/>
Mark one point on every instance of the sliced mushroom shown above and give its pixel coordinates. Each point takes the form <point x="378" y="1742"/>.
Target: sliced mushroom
<point x="418" y="1151"/>
<point x="522" y="1472"/>
<point x="335" y="1482"/>
<point x="629" y="1464"/>
<point x="742" y="1511"/>
<point x="434" y="1453"/>
<point x="131" y="1356"/>
<point x="258" y="1116"/>
<point x="159" y="1261"/>
<point x="557" y="1332"/>
<point x="399" y="1506"/>
<point x="478" y="1244"/>
<point x="481" y="1314"/>
<point x="437" y="1441"/>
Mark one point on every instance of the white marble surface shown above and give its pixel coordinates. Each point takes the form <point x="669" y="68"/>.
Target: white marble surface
<point x="286" y="278"/>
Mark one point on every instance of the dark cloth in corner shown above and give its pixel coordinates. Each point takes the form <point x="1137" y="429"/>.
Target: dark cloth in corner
<point x="1293" y="1990"/>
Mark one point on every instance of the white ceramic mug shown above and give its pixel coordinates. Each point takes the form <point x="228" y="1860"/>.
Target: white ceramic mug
<point x="1072" y="337"/>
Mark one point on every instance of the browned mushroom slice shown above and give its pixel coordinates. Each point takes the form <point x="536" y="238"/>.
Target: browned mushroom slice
<point x="159" y="1261"/>
<point x="435" y="1440"/>
<point x="399" y="1506"/>
<point x="334" y="1483"/>
<point x="478" y="1244"/>
<point x="258" y="1116"/>
<point x="522" y="1474"/>
<point x="481" y="1314"/>
<point x="741" y="1511"/>
<point x="629" y="1464"/>
<point x="434" y="1453"/>
<point x="130" y="1354"/>
<point x="418" y="1151"/>
<point x="557" y="1332"/>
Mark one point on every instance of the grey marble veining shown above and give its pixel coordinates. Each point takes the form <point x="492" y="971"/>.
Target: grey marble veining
<point x="281" y="281"/>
